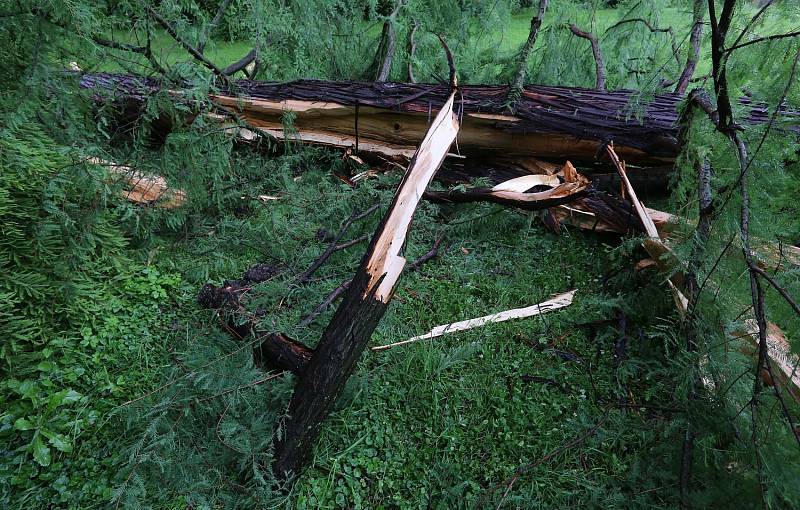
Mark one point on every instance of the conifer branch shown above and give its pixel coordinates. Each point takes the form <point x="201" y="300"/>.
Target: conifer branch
<point x="653" y="29"/>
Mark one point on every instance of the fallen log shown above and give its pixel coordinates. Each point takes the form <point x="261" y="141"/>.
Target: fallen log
<point x="392" y="118"/>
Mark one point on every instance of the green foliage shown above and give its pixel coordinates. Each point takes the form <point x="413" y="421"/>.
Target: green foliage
<point x="97" y="299"/>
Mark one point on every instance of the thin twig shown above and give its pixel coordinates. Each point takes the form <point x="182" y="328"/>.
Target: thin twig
<point x="527" y="467"/>
<point x="332" y="247"/>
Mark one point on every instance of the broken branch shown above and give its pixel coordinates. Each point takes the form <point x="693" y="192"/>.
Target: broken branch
<point x="600" y="66"/>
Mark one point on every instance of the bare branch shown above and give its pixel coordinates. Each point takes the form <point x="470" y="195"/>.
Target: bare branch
<point x="188" y="47"/>
<point x="141" y="50"/>
<point x="241" y="63"/>
<point x="694" y="56"/>
<point x="334" y="245"/>
<point x="600" y="66"/>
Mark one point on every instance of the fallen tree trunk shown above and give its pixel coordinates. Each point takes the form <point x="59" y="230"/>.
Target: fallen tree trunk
<point x="392" y="118"/>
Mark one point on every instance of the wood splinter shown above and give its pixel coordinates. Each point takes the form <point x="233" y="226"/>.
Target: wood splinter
<point x="558" y="302"/>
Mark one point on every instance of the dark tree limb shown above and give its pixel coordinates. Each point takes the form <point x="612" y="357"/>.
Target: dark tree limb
<point x="188" y="47"/>
<point x="694" y="55"/>
<point x="201" y="42"/>
<point x="600" y="66"/>
<point x="241" y="64"/>
<point x="522" y="65"/>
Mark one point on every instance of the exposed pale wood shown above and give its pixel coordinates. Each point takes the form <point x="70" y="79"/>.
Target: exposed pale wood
<point x="144" y="189"/>
<point x="657" y="250"/>
<point x="526" y="182"/>
<point x="385" y="262"/>
<point x="556" y="303"/>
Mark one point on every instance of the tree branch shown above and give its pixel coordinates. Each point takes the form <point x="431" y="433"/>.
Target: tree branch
<point x="241" y="63"/>
<point x="188" y="47"/>
<point x="600" y="66"/>
<point x="412" y="49"/>
<point x="522" y="64"/>
<point x="694" y="55"/>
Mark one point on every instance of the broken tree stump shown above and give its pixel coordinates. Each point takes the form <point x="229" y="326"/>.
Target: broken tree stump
<point x="364" y="303"/>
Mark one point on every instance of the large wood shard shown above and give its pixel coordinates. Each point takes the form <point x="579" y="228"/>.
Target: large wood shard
<point x="556" y="303"/>
<point x="143" y="189"/>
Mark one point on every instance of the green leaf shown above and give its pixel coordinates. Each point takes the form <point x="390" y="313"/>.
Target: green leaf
<point x="41" y="453"/>
<point x="63" y="397"/>
<point x="24" y="424"/>
<point x="59" y="441"/>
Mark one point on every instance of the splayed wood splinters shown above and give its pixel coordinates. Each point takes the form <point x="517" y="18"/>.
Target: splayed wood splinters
<point x="558" y="302"/>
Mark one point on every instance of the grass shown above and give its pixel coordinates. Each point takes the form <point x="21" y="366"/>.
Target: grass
<point x="441" y="423"/>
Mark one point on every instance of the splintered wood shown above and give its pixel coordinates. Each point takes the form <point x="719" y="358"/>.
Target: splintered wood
<point x="558" y="302"/>
<point x="657" y="250"/>
<point x="385" y="261"/>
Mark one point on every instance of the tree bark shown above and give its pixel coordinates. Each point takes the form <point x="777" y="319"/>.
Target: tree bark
<point x="524" y="57"/>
